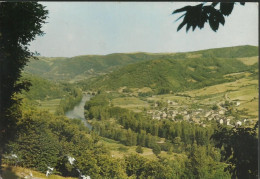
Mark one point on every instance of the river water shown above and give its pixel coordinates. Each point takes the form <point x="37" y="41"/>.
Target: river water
<point x="78" y="111"/>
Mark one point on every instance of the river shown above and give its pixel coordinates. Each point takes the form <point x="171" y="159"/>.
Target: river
<point x="78" y="111"/>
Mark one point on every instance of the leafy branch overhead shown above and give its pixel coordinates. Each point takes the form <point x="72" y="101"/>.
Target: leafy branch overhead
<point x="197" y="16"/>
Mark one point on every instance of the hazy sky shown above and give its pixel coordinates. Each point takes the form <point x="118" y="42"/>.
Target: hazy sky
<point x="81" y="28"/>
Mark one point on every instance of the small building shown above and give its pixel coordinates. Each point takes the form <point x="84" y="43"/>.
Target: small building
<point x="238" y="123"/>
<point x="221" y="121"/>
<point x="164" y="115"/>
<point x="208" y="114"/>
<point x="221" y="112"/>
<point x="228" y="122"/>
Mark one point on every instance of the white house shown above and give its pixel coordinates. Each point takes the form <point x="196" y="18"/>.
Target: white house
<point x="238" y="123"/>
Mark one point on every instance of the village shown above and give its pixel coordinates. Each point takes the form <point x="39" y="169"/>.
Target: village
<point x="175" y="112"/>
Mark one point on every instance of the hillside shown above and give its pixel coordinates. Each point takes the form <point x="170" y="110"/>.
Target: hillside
<point x="171" y="74"/>
<point x="82" y="67"/>
<point x="43" y="89"/>
<point x="85" y="67"/>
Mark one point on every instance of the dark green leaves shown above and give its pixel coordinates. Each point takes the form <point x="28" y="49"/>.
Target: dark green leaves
<point x="197" y="16"/>
<point x="226" y="8"/>
<point x="193" y="17"/>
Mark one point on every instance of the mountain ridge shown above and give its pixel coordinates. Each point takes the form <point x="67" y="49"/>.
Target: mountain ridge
<point x="88" y="66"/>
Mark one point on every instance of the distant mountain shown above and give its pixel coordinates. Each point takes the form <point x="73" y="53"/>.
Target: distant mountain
<point x="230" y="52"/>
<point x="88" y="66"/>
<point x="83" y="67"/>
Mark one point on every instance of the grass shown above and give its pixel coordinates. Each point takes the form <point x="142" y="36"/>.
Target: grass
<point x="119" y="150"/>
<point x="12" y="172"/>
<point x="249" y="60"/>
<point x="132" y="103"/>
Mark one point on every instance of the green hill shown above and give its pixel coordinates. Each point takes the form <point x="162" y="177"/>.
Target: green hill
<point x="84" y="67"/>
<point x="42" y="88"/>
<point x="230" y="52"/>
<point x="171" y="74"/>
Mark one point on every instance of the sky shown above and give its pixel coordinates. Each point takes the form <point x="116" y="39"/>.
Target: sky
<point x="100" y="28"/>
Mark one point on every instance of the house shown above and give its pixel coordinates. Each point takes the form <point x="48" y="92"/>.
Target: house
<point x="221" y="112"/>
<point x="186" y="117"/>
<point x="156" y="117"/>
<point x="208" y="114"/>
<point x="238" y="123"/>
<point x="228" y="122"/>
<point x="221" y="121"/>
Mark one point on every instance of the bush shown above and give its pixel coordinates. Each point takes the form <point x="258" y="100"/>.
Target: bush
<point x="139" y="149"/>
<point x="156" y="149"/>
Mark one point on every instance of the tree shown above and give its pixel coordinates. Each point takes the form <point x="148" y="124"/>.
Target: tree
<point x="197" y="16"/>
<point x="20" y="22"/>
<point x="139" y="149"/>
<point x="156" y="149"/>
<point x="240" y="149"/>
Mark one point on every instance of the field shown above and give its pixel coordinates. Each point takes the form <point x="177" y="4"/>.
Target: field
<point x="243" y="90"/>
<point x="49" y="105"/>
<point x="119" y="150"/>
<point x="132" y="103"/>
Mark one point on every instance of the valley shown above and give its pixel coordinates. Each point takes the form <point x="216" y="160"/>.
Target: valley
<point x="127" y="115"/>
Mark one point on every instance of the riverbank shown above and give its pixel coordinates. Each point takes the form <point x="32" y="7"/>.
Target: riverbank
<point x="78" y="111"/>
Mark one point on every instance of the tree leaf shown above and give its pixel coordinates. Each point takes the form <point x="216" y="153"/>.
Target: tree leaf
<point x="226" y="8"/>
<point x="186" y="8"/>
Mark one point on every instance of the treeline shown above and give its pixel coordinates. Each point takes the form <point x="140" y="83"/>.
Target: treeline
<point x="67" y="103"/>
<point x="124" y="136"/>
<point x="98" y="108"/>
<point x="136" y="129"/>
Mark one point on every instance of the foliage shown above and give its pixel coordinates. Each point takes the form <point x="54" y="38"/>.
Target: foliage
<point x="139" y="149"/>
<point x="156" y="149"/>
<point x="239" y="150"/>
<point x="69" y="101"/>
<point x="197" y="16"/>
<point x="20" y="23"/>
<point x="46" y="140"/>
<point x="176" y="75"/>
<point x="204" y="162"/>
<point x="42" y="89"/>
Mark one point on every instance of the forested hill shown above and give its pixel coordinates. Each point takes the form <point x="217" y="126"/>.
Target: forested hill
<point x="230" y="52"/>
<point x="83" y="67"/>
<point x="175" y="75"/>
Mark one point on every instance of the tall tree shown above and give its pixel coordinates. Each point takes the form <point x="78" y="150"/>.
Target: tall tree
<point x="20" y="23"/>
<point x="240" y="150"/>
